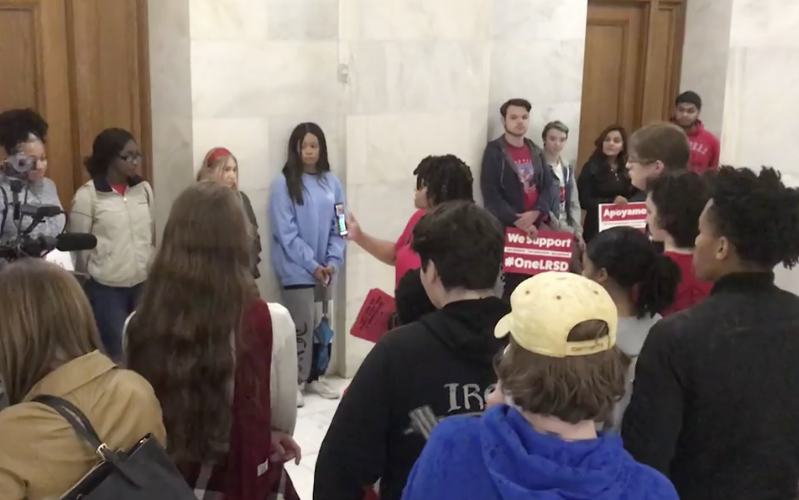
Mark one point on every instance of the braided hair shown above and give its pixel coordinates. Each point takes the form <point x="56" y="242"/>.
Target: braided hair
<point x="447" y="178"/>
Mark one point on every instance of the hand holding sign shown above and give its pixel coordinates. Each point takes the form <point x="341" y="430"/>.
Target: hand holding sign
<point x="550" y="251"/>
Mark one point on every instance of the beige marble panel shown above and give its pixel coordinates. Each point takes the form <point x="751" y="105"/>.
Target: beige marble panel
<point x="764" y="23"/>
<point x="416" y="76"/>
<point x="303" y="19"/>
<point x="388" y="147"/>
<point x="760" y="124"/>
<point x="228" y="19"/>
<point x="415" y="20"/>
<point x="246" y="79"/>
<point x="538" y="20"/>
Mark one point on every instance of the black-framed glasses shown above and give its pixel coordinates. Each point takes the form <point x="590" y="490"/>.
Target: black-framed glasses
<point x="132" y="157"/>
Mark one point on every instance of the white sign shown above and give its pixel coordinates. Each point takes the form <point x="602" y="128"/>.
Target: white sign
<point x="61" y="259"/>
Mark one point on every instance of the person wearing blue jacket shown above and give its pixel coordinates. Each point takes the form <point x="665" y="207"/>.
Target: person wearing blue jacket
<point x="306" y="248"/>
<point x="560" y="374"/>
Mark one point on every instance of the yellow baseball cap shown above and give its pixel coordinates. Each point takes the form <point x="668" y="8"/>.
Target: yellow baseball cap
<point x="546" y="307"/>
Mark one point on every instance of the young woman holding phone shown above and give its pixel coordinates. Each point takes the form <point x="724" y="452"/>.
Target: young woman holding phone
<point x="307" y="248"/>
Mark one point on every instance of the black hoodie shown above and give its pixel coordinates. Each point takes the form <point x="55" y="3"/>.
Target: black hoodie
<point x="439" y="366"/>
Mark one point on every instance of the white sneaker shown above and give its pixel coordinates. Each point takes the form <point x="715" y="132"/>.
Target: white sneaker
<point x="323" y="389"/>
<point x="300" y="398"/>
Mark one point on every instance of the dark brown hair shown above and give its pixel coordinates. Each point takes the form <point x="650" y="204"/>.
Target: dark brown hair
<point x="555" y="125"/>
<point x="45" y="321"/>
<point x="183" y="335"/>
<point x="599" y="150"/>
<point x="664" y="142"/>
<point x="574" y="388"/>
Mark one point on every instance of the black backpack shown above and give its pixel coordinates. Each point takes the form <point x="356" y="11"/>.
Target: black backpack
<point x="144" y="472"/>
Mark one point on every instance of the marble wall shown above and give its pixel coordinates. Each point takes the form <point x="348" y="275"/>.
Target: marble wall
<point x="706" y="55"/>
<point x="537" y="51"/>
<point x="761" y="112"/>
<point x="390" y="82"/>
<point x="747" y="52"/>
<point x="171" y="104"/>
<point x="418" y="85"/>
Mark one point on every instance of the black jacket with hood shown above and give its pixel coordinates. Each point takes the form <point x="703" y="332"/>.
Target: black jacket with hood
<point x="439" y="366"/>
<point x="502" y="190"/>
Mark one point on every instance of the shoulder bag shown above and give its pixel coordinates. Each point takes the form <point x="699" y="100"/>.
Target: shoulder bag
<point x="144" y="472"/>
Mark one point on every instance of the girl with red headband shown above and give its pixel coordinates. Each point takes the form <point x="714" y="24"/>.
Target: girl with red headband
<point x="220" y="164"/>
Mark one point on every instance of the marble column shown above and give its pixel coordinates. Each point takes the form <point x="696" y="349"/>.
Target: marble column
<point x="418" y="74"/>
<point x="537" y="51"/>
<point x="170" y="96"/>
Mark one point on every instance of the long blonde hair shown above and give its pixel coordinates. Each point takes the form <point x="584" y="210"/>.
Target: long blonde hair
<point x="45" y="321"/>
<point x="214" y="165"/>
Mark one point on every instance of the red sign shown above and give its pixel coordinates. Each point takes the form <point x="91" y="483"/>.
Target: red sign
<point x="549" y="251"/>
<point x="630" y="215"/>
<point x="372" y="320"/>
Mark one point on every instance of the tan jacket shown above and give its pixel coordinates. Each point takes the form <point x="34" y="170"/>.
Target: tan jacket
<point x="124" y="227"/>
<point x="41" y="457"/>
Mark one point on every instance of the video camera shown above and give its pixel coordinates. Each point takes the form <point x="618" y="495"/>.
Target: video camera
<point x="16" y="168"/>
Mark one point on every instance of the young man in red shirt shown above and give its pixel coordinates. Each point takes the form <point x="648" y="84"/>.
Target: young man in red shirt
<point x="518" y="187"/>
<point x="704" y="145"/>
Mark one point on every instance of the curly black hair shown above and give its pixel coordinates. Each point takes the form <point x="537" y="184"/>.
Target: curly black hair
<point x="679" y="200"/>
<point x="758" y="214"/>
<point x="631" y="260"/>
<point x="446" y="177"/>
<point x="411" y="298"/>
<point x="16" y="126"/>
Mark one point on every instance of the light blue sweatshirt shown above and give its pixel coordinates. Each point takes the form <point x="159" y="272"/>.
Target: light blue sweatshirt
<point x="305" y="236"/>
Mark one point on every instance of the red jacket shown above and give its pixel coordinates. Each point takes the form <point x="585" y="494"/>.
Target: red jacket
<point x="705" y="149"/>
<point x="248" y="474"/>
<point x="690" y="290"/>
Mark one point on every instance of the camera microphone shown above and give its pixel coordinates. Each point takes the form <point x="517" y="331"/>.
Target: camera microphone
<point x="75" y="242"/>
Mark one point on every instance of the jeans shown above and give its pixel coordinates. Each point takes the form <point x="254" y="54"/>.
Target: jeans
<point x="111" y="305"/>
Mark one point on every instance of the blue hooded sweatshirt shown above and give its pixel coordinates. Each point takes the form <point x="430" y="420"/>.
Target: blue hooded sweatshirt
<point x="500" y="457"/>
<point x="305" y="236"/>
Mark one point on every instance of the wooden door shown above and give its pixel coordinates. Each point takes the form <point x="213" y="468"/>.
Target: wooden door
<point x="633" y="52"/>
<point x="83" y="65"/>
<point x="34" y="62"/>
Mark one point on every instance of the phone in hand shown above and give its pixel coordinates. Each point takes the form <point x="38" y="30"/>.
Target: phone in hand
<point x="341" y="219"/>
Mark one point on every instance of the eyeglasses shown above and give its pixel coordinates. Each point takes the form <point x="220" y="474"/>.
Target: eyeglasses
<point x="640" y="162"/>
<point x="132" y="157"/>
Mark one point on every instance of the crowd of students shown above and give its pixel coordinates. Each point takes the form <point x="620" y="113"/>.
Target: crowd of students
<point x="645" y="372"/>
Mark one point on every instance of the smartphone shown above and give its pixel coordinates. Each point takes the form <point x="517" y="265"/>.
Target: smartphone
<point x="341" y="219"/>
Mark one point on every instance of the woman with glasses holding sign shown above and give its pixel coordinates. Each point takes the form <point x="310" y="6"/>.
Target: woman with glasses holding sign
<point x="116" y="206"/>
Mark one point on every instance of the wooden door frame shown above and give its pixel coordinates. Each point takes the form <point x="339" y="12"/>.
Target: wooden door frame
<point x="145" y="138"/>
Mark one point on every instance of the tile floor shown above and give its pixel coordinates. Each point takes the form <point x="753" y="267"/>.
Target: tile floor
<point x="312" y="423"/>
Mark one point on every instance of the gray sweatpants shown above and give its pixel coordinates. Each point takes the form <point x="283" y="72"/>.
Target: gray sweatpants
<point x="305" y="307"/>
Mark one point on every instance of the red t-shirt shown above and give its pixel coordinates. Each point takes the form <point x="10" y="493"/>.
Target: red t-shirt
<point x="406" y="259"/>
<point x="705" y="149"/>
<point x="690" y="290"/>
<point x="523" y="163"/>
<point x="120" y="188"/>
